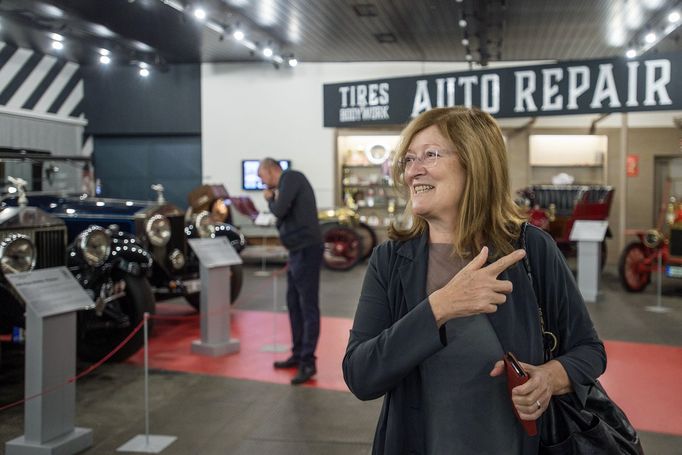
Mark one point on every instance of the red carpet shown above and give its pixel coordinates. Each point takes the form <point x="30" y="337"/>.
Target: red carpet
<point x="644" y="379"/>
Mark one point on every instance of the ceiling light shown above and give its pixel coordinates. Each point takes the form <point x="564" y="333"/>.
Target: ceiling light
<point x="200" y="13"/>
<point x="144" y="72"/>
<point x="104" y="52"/>
<point x="462" y="23"/>
<point x="674" y="17"/>
<point x="143" y="65"/>
<point x="56" y="37"/>
<point x="631" y="53"/>
<point x="238" y="35"/>
<point x="267" y="52"/>
<point x="293" y="62"/>
<point x="57" y="45"/>
<point x="104" y="59"/>
<point x="465" y="42"/>
<point x="650" y="37"/>
<point x="468" y="57"/>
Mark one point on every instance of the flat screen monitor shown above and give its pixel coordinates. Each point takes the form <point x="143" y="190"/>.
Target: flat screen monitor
<point x="250" y="179"/>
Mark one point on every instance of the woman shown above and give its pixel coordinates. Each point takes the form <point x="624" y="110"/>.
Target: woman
<point x="444" y="299"/>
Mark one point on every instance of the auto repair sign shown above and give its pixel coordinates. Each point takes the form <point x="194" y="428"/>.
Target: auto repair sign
<point x="579" y="87"/>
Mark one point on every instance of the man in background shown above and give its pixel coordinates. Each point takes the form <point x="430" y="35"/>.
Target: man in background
<point x="291" y="199"/>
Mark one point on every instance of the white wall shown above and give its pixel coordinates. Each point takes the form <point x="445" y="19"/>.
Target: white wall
<point x="254" y="111"/>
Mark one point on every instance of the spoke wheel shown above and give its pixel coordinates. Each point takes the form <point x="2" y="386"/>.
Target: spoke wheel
<point x="369" y="239"/>
<point x="633" y="276"/>
<point x="342" y="248"/>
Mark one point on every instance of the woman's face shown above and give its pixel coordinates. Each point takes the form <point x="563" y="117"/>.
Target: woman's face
<point x="435" y="187"/>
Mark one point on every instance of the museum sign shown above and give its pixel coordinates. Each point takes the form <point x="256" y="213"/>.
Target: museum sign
<point x="579" y="87"/>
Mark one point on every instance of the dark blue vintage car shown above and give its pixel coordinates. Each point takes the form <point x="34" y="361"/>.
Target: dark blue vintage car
<point x="160" y="228"/>
<point x="111" y="269"/>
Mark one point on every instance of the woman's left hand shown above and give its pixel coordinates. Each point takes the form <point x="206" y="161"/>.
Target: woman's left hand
<point x="532" y="398"/>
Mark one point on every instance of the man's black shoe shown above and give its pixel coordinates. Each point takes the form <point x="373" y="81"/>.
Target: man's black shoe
<point x="305" y="372"/>
<point x="291" y="362"/>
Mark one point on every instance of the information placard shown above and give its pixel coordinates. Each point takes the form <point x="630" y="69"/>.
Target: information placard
<point x="589" y="231"/>
<point x="50" y="291"/>
<point x="217" y="252"/>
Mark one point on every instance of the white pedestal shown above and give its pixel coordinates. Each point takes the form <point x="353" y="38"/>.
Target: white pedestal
<point x="589" y="268"/>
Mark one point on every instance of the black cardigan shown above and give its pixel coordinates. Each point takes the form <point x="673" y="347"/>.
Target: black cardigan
<point x="394" y="331"/>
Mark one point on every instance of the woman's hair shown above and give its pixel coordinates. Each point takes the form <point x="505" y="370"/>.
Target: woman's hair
<point x="487" y="213"/>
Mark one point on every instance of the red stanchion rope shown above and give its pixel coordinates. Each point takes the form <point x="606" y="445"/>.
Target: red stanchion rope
<point x="99" y="363"/>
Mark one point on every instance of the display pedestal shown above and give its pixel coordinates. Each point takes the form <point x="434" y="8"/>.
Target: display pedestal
<point x="589" y="235"/>
<point x="50" y="362"/>
<point x="215" y="257"/>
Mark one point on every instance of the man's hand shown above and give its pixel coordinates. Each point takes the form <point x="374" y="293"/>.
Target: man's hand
<point x="475" y="289"/>
<point x="269" y="195"/>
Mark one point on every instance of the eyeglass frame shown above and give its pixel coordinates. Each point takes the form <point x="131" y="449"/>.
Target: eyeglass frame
<point x="426" y="161"/>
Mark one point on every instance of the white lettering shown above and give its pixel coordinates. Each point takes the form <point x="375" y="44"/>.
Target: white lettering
<point x="383" y="93"/>
<point x="422" y="101"/>
<point x="524" y="93"/>
<point x="467" y="82"/>
<point x="362" y="95"/>
<point x="451" y="91"/>
<point x="575" y="89"/>
<point x="632" y="84"/>
<point x="373" y="99"/>
<point x="490" y="83"/>
<point x="605" y="87"/>
<point x="344" y="96"/>
<point x="657" y="86"/>
<point x="550" y="77"/>
<point x="440" y="92"/>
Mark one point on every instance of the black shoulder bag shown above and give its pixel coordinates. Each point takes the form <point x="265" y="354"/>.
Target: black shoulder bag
<point x="600" y="427"/>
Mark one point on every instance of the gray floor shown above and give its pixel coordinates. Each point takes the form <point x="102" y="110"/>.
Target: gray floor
<point x="212" y="415"/>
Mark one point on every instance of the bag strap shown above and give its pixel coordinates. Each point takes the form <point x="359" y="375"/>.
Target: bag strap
<point x="549" y="339"/>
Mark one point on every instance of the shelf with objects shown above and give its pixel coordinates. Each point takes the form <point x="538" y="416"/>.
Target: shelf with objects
<point x="365" y="185"/>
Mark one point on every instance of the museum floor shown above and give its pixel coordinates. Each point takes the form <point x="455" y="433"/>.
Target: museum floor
<point x="238" y="404"/>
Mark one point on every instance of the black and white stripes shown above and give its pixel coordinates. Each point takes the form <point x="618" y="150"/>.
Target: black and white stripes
<point x="39" y="83"/>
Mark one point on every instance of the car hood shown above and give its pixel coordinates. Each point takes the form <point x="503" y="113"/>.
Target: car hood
<point x="26" y="217"/>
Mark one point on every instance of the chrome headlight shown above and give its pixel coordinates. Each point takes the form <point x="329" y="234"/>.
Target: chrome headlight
<point x="95" y="245"/>
<point x="17" y="254"/>
<point x="158" y="230"/>
<point x="653" y="238"/>
<point x="177" y="259"/>
<point x="204" y="225"/>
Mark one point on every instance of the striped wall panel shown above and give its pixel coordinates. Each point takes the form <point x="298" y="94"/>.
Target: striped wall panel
<point x="40" y="83"/>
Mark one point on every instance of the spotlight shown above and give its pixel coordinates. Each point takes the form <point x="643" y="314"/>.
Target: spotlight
<point x="58" y="45"/>
<point x="267" y="52"/>
<point x="468" y="57"/>
<point x="631" y="53"/>
<point x="104" y="52"/>
<point x="238" y="35"/>
<point x="462" y="23"/>
<point x="144" y="72"/>
<point x="674" y="17"/>
<point x="200" y="13"/>
<point x="650" y="37"/>
<point x="56" y="37"/>
<point x="104" y="59"/>
<point x="293" y="62"/>
<point x="465" y="42"/>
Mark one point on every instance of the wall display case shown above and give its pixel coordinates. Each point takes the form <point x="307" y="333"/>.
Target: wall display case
<point x="365" y="180"/>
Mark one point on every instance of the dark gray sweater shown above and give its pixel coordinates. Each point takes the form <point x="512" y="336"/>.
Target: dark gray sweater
<point x="296" y="211"/>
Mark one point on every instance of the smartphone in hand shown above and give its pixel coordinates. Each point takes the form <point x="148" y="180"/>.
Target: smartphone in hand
<point x="516" y="376"/>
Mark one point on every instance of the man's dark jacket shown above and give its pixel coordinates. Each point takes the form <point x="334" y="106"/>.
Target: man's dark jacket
<point x="296" y="211"/>
<point x="395" y="331"/>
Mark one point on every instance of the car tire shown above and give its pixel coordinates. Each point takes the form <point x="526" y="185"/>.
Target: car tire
<point x="632" y="279"/>
<point x="236" y="282"/>
<point x="369" y="239"/>
<point x="342" y="247"/>
<point x="95" y="343"/>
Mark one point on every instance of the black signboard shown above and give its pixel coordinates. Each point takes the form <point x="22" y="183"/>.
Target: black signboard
<point x="580" y="87"/>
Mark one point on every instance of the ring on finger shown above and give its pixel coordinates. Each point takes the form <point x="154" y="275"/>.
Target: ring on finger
<point x="537" y="402"/>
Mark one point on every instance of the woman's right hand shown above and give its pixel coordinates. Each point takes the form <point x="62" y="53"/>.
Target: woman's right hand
<point x="475" y="289"/>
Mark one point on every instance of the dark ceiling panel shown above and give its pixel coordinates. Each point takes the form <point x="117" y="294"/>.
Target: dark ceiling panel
<point x="332" y="30"/>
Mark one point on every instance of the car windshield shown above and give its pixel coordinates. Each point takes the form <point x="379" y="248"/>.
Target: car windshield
<point x="43" y="172"/>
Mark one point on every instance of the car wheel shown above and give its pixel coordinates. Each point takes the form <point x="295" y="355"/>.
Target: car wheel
<point x="634" y="276"/>
<point x="342" y="248"/>
<point x="236" y="281"/>
<point x="99" y="335"/>
<point x="369" y="239"/>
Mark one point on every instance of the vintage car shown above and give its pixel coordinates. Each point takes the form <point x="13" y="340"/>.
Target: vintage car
<point x="641" y="258"/>
<point x="112" y="269"/>
<point x="555" y="208"/>
<point x="347" y="240"/>
<point x="160" y="227"/>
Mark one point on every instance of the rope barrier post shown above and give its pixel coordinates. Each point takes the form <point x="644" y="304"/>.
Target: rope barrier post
<point x="147" y="443"/>
<point x="658" y="308"/>
<point x="274" y="346"/>
<point x="50" y="365"/>
<point x="263" y="272"/>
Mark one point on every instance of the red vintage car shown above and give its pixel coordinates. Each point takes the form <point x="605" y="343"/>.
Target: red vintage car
<point x="555" y="208"/>
<point x="640" y="258"/>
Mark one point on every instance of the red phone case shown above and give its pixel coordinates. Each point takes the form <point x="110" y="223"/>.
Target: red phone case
<point x="515" y="379"/>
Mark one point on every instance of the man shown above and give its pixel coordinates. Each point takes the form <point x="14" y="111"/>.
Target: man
<point x="291" y="199"/>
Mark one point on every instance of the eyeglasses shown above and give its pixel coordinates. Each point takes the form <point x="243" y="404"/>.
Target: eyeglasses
<point x="428" y="159"/>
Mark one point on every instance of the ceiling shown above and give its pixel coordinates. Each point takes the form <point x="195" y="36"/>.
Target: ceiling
<point x="338" y="30"/>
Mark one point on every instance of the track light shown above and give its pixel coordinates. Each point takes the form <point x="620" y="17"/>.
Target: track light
<point x="650" y="37"/>
<point x="200" y="13"/>
<point x="104" y="59"/>
<point x="58" y="45"/>
<point x="631" y="53"/>
<point x="267" y="52"/>
<point x="462" y="23"/>
<point x="293" y="62"/>
<point x="674" y="17"/>
<point x="465" y="42"/>
<point x="144" y="72"/>
<point x="238" y="35"/>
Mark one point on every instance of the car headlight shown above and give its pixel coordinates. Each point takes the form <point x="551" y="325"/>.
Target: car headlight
<point x="158" y="230"/>
<point x="95" y="245"/>
<point x="204" y="225"/>
<point x="653" y="238"/>
<point x="177" y="259"/>
<point x="17" y="254"/>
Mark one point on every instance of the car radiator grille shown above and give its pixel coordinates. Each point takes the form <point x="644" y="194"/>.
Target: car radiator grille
<point x="50" y="245"/>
